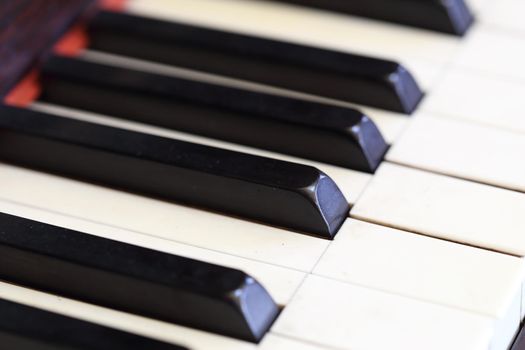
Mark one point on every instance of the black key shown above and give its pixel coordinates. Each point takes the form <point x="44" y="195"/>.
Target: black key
<point x="27" y="328"/>
<point x="325" y="133"/>
<point x="271" y="191"/>
<point x="332" y="74"/>
<point x="134" y="279"/>
<point x="450" y="16"/>
<point x="519" y="342"/>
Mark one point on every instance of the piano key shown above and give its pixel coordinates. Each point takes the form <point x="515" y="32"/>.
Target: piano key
<point x="452" y="17"/>
<point x="477" y="97"/>
<point x="493" y="51"/>
<point x="351" y="182"/>
<point x="462" y="149"/>
<point x="390" y="124"/>
<point x="271" y="191"/>
<point x="134" y="279"/>
<point x="429" y="269"/>
<point x="276" y="342"/>
<point x="340" y="136"/>
<point x="160" y="219"/>
<point x="281" y="283"/>
<point x="444" y="207"/>
<point x="309" y="26"/>
<point x="505" y="14"/>
<point x="335" y="74"/>
<point x="346" y="316"/>
<point x="23" y="327"/>
<point x="478" y="6"/>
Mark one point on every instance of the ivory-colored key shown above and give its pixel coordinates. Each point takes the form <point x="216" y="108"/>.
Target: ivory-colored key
<point x="493" y="51"/>
<point x="346" y="316"/>
<point x="505" y="14"/>
<point x="429" y="269"/>
<point x="278" y="342"/>
<point x="477" y="97"/>
<point x="477" y="6"/>
<point x="445" y="207"/>
<point x="459" y="148"/>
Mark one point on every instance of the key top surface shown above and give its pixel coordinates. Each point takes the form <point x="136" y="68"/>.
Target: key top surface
<point x="276" y="192"/>
<point x="462" y="149"/>
<point x="347" y="316"/>
<point x="344" y="76"/>
<point x="429" y="269"/>
<point x="444" y="207"/>
<point x="452" y="17"/>
<point x="24" y="327"/>
<point x="134" y="279"/>
<point x="331" y="134"/>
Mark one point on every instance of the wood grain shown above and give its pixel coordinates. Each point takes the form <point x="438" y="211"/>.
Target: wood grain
<point x="28" y="29"/>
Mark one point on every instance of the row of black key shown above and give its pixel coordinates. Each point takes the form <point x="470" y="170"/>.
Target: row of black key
<point x="326" y="133"/>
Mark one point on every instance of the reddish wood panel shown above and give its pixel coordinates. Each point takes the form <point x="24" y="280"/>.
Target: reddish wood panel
<point x="28" y="29"/>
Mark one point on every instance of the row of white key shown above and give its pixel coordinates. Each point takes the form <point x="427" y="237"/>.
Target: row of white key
<point x="404" y="275"/>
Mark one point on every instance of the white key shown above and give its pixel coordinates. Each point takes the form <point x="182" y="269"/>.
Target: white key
<point x="160" y="219"/>
<point x="277" y="342"/>
<point x="428" y="269"/>
<point x="462" y="149"/>
<point x="280" y="282"/>
<point x="391" y="124"/>
<point x="477" y="6"/>
<point x="479" y="97"/>
<point x="494" y="51"/>
<point x="347" y="316"/>
<point x="302" y="25"/>
<point x="506" y="14"/>
<point x="351" y="182"/>
<point x="445" y="207"/>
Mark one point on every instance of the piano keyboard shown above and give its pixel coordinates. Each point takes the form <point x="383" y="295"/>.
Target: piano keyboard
<point x="256" y="174"/>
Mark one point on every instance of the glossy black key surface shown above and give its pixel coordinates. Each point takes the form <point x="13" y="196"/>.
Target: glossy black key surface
<point x="280" y="193"/>
<point x="27" y="328"/>
<point x="332" y="74"/>
<point x="450" y="16"/>
<point x="330" y="134"/>
<point x="134" y="279"/>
